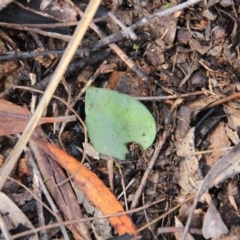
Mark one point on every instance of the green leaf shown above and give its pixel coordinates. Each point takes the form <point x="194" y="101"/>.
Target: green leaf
<point x="114" y="119"/>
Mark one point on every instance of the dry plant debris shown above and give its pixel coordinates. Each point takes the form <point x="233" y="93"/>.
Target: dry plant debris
<point x="181" y="60"/>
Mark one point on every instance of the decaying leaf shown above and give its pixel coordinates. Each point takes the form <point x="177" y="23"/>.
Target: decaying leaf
<point x="178" y="235"/>
<point x="13" y="118"/>
<point x="196" y="46"/>
<point x="91" y="151"/>
<point x="233" y="136"/>
<point x="4" y="3"/>
<point x="101" y="226"/>
<point x="63" y="194"/>
<point x="15" y="215"/>
<point x="92" y="187"/>
<point x="233" y="117"/>
<point x="189" y="176"/>
<point x="217" y="140"/>
<point x="213" y="226"/>
<point x="225" y="168"/>
<point x="201" y="103"/>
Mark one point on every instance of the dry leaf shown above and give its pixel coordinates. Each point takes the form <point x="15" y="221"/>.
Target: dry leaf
<point x="189" y="176"/>
<point x="218" y="139"/>
<point x="178" y="235"/>
<point x="91" y="151"/>
<point x="4" y="3"/>
<point x="233" y="136"/>
<point x="13" y="119"/>
<point x="225" y="168"/>
<point x="101" y="226"/>
<point x="92" y="187"/>
<point x="63" y="194"/>
<point x="195" y="45"/>
<point x="213" y="226"/>
<point x="15" y="215"/>
<point x="201" y="103"/>
<point x="233" y="117"/>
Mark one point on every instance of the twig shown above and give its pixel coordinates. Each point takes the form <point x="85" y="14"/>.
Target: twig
<point x="168" y="212"/>
<point x="159" y="98"/>
<point x="37" y="192"/>
<point x="129" y="32"/>
<point x="179" y="230"/>
<point x="62" y="66"/>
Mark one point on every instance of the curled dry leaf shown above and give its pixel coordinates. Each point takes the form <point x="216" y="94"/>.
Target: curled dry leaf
<point x="91" y="186"/>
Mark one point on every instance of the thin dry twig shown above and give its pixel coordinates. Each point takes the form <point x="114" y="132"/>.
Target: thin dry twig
<point x="174" y="96"/>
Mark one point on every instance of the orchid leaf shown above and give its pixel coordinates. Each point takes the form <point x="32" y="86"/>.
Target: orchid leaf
<point x="114" y="119"/>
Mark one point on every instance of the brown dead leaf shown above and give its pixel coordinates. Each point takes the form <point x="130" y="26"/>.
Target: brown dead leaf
<point x="184" y="36"/>
<point x="189" y="175"/>
<point x="213" y="225"/>
<point x="63" y="195"/>
<point x="178" y="235"/>
<point x="92" y="187"/>
<point x="15" y="216"/>
<point x="196" y="46"/>
<point x="201" y="103"/>
<point x="13" y="118"/>
<point x="233" y="116"/>
<point x="217" y="139"/>
<point x="225" y="168"/>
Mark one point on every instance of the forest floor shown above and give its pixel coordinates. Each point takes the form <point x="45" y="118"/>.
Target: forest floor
<point x="183" y="67"/>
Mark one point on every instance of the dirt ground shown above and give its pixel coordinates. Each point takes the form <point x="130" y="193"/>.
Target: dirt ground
<point x="183" y="67"/>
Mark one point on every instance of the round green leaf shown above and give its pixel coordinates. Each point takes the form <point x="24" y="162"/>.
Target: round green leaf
<point x="114" y="119"/>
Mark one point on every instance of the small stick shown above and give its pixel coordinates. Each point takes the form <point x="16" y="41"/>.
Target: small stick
<point x="174" y="96"/>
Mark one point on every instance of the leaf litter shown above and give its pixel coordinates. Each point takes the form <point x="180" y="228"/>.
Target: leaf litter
<point x="188" y="51"/>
